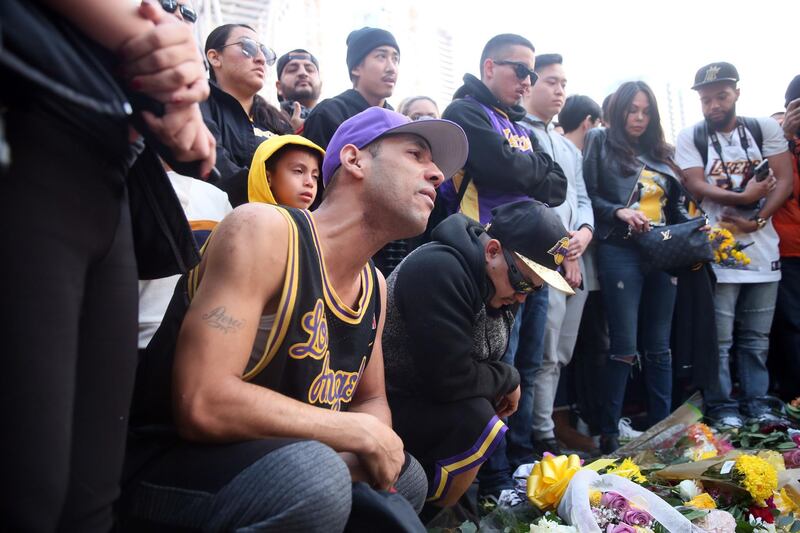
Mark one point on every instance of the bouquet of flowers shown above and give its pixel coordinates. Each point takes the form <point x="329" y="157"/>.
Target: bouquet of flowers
<point x="727" y="250"/>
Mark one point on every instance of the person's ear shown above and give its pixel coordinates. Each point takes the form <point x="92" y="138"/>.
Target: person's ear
<point x="488" y="69"/>
<point x="736" y="90"/>
<point x="269" y="179"/>
<point x="352" y="160"/>
<point x="278" y="88"/>
<point x="492" y="249"/>
<point x="213" y="57"/>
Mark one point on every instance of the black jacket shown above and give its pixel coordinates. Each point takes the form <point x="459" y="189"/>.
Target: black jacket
<point x="610" y="186"/>
<point x="236" y="141"/>
<point x="438" y="341"/>
<point x="492" y="164"/>
<point x="323" y="120"/>
<point x="45" y="61"/>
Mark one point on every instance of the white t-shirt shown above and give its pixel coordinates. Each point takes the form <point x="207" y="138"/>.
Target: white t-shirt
<point x="764" y="256"/>
<point x="204" y="205"/>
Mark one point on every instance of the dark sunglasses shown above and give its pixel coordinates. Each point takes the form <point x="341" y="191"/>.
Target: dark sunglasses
<point x="520" y="69"/>
<point x="250" y="49"/>
<point x="188" y="14"/>
<point x="515" y="277"/>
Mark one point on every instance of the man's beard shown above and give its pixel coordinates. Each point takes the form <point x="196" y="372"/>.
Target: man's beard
<point x="307" y="93"/>
<point x="724" y="121"/>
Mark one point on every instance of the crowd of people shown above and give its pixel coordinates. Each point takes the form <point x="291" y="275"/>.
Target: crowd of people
<point x="347" y="315"/>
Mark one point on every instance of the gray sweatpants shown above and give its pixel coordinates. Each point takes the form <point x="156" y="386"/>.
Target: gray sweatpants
<point x="303" y="486"/>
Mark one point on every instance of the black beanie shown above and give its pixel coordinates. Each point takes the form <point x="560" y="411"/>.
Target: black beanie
<point x="362" y="42"/>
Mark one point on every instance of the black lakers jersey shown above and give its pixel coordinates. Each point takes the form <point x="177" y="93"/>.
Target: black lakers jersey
<point x="315" y="352"/>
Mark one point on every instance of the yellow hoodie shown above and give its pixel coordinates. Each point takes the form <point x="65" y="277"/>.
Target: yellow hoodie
<point x="258" y="189"/>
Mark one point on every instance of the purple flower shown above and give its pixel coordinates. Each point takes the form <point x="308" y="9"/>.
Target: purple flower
<point x="792" y="458"/>
<point x="620" y="528"/>
<point x="637" y="517"/>
<point x="615" y="501"/>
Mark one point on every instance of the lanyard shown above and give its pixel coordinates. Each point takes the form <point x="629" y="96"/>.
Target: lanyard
<point x="745" y="145"/>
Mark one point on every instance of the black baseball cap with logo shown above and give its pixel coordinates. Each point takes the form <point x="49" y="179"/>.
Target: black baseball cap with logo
<point x="715" y="72"/>
<point x="536" y="235"/>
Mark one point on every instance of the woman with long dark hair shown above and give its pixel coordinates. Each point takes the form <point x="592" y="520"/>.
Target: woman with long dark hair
<point x="633" y="184"/>
<point x="238" y="117"/>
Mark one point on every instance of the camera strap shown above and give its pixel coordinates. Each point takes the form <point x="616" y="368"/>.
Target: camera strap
<point x="745" y="145"/>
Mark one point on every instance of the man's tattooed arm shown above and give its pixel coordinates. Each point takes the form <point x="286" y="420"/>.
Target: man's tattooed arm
<point x="218" y="318"/>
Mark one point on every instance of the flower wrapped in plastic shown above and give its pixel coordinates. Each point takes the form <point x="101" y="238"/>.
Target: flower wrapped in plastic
<point x="624" y="506"/>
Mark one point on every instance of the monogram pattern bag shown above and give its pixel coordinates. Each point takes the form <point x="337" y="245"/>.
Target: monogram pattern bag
<point x="677" y="246"/>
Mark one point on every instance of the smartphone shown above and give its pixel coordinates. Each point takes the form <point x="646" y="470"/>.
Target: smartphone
<point x="761" y="171"/>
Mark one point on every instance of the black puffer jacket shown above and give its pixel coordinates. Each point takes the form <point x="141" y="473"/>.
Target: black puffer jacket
<point x="611" y="185"/>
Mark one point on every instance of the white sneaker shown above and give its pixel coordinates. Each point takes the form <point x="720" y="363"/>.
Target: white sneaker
<point x="508" y="498"/>
<point x="731" y="421"/>
<point x="626" y="431"/>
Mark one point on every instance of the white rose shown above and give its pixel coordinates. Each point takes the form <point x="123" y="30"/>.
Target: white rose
<point x="688" y="489"/>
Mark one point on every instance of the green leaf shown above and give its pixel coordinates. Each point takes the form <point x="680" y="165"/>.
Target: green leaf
<point x="745" y="442"/>
<point x="786" y="446"/>
<point x="468" y="527"/>
<point x="693" y="514"/>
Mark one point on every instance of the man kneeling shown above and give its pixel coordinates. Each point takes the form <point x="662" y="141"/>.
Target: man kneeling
<point x="274" y="399"/>
<point x="450" y="310"/>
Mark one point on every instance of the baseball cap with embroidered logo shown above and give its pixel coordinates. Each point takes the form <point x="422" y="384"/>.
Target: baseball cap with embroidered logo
<point x="715" y="72"/>
<point x="536" y="235"/>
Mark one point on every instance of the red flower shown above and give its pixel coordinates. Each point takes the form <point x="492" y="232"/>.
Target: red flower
<point x="764" y="513"/>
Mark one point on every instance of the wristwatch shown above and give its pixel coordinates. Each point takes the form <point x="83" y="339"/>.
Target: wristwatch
<point x="760" y="222"/>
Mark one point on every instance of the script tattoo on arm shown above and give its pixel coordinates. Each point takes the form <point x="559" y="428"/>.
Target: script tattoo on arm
<point x="217" y="318"/>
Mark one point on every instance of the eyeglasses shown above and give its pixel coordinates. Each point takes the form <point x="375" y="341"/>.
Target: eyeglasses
<point x="515" y="277"/>
<point x="250" y="49"/>
<point x="188" y="14"/>
<point x="520" y="69"/>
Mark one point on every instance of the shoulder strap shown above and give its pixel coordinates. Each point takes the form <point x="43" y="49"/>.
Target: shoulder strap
<point x="701" y="141"/>
<point x="754" y="127"/>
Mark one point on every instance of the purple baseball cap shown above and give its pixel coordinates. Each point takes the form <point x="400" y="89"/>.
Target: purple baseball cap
<point x="447" y="140"/>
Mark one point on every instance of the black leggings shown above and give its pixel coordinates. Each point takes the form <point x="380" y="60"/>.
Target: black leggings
<point x="68" y="328"/>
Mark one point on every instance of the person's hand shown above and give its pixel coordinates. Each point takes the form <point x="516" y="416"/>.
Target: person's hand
<point x="572" y="272"/>
<point x="183" y="131"/>
<point x="507" y="404"/>
<point x="756" y="190"/>
<point x="383" y="456"/>
<point x="636" y="220"/>
<point x="295" y="119"/>
<point x="791" y="120"/>
<point x="165" y="62"/>
<point x="578" y="241"/>
<point x="737" y="224"/>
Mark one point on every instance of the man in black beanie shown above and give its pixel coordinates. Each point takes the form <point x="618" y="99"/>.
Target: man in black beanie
<point x="298" y="85"/>
<point x="373" y="59"/>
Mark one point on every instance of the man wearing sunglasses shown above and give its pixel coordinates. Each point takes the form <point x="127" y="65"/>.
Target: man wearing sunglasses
<point x="450" y="307"/>
<point x="505" y="164"/>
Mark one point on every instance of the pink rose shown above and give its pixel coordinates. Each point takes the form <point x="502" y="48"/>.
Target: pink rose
<point x="637" y="517"/>
<point x="620" y="528"/>
<point x="792" y="458"/>
<point x="615" y="501"/>
<point x="796" y="438"/>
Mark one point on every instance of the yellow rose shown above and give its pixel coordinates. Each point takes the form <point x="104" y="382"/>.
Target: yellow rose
<point x="702" y="501"/>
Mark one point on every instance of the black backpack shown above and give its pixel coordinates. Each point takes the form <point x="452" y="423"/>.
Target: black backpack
<point x="701" y="136"/>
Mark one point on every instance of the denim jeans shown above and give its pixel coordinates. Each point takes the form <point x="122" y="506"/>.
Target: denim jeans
<point x="525" y="349"/>
<point x="744" y="315"/>
<point x="639" y="306"/>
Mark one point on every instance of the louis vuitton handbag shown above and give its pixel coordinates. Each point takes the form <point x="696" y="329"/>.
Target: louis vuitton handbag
<point x="677" y="246"/>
